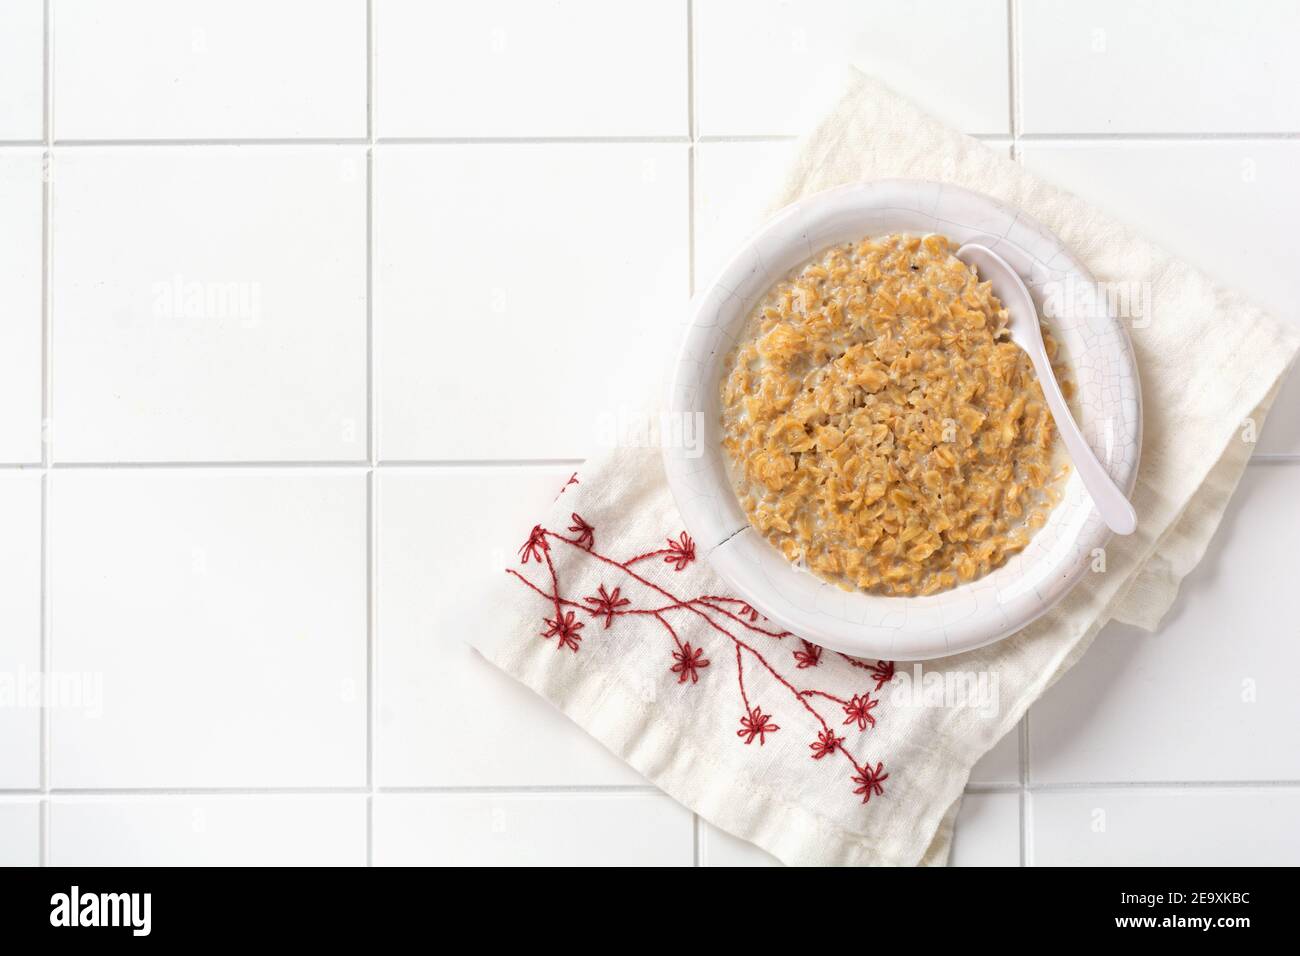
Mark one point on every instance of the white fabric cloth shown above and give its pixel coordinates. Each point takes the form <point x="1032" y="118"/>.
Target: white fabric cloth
<point x="1208" y="360"/>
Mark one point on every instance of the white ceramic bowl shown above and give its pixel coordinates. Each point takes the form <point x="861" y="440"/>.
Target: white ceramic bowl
<point x="1096" y="346"/>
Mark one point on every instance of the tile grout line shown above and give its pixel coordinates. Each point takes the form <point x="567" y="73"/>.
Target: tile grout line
<point x="522" y="790"/>
<point x="46" y="654"/>
<point x="47" y="338"/>
<point x="372" y="465"/>
<point x="367" y="140"/>
<point x="359" y="464"/>
<point x="1259" y="459"/>
<point x="1078" y="136"/>
<point x="322" y="791"/>
<point x="372" y="509"/>
<point x="986" y="788"/>
<point x="371" y="442"/>
<point x="484" y="463"/>
<point x="690" y="151"/>
<point x="530" y="140"/>
<point x="1026" y="798"/>
<point x="1086" y="785"/>
<point x="232" y="142"/>
<point x="1013" y="100"/>
<point x="645" y="789"/>
<point x="1026" y="828"/>
<point x="1173" y="137"/>
<point x="1013" y="76"/>
<point x="691" y="129"/>
<point x="691" y="125"/>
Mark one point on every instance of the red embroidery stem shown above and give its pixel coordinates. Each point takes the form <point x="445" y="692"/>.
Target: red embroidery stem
<point x="639" y="557"/>
<point x="553" y="597"/>
<point x="660" y="618"/>
<point x="740" y="620"/>
<point x="690" y="606"/>
<point x="740" y="678"/>
<point x="822" y="693"/>
<point x="555" y="580"/>
<point x="652" y="612"/>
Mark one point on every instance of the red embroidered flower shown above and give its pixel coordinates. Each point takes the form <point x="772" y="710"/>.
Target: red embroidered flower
<point x="566" y="629"/>
<point x="749" y="612"/>
<point x="688" y="661"/>
<point x="535" y="546"/>
<point x="606" y="603"/>
<point x="826" y="743"/>
<point x="810" y="656"/>
<point x="680" y="552"/>
<point x="870" y="781"/>
<point x="756" y="724"/>
<point x="883" y="672"/>
<point x="859" y="711"/>
<point x="585" y="532"/>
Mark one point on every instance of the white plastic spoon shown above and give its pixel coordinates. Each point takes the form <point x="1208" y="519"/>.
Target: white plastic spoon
<point x="1114" y="507"/>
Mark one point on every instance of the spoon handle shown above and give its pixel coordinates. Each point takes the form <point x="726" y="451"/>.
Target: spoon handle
<point x="1115" y="508"/>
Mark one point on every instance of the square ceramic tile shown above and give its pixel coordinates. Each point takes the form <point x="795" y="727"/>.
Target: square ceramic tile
<point x="525" y="295"/>
<point x="209" y="69"/>
<point x="20" y="630"/>
<point x="446" y="717"/>
<point x="756" y="59"/>
<point x="21" y="237"/>
<point x="987" y="832"/>
<point x="22" y="69"/>
<point x="209" y="304"/>
<point x="216" y="622"/>
<point x="734" y="183"/>
<point x="192" y="830"/>
<point x="516" y="68"/>
<point x="1226" y="207"/>
<point x="1159" y="827"/>
<point x="1001" y="765"/>
<point x="20" y="831"/>
<point x="531" y="829"/>
<point x="1207" y="697"/>
<point x="1166" y="66"/>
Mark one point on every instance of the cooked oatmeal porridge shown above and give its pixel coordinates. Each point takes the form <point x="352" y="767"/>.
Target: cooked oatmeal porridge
<point x="881" y="429"/>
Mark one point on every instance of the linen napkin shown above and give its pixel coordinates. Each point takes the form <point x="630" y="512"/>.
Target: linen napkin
<point x="610" y="613"/>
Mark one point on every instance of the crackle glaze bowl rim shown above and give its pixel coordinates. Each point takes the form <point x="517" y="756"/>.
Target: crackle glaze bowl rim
<point x="1109" y="409"/>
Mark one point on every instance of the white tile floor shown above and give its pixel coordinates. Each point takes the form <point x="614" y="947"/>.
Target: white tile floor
<point x="260" y="257"/>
